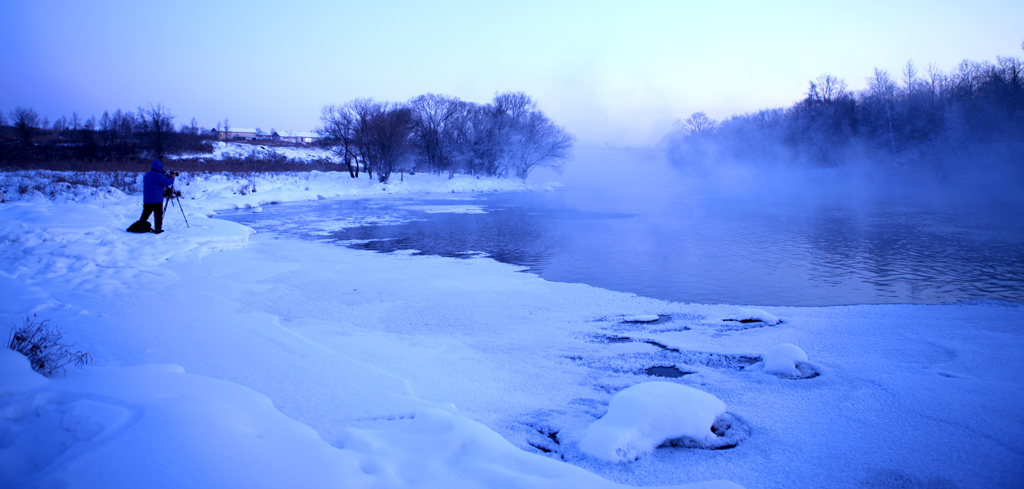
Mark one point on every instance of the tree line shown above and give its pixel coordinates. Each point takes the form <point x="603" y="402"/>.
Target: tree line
<point x="442" y="134"/>
<point x="939" y="122"/>
<point x="507" y="137"/>
<point x="26" y="137"/>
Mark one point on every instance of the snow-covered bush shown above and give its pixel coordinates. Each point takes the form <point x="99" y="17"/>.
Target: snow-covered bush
<point x="783" y="360"/>
<point x="43" y="347"/>
<point x="644" y="416"/>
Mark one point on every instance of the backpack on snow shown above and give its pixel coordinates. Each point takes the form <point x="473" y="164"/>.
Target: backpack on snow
<point x="140" y="227"/>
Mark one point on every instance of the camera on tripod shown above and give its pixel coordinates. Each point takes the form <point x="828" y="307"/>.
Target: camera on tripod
<point x="170" y="192"/>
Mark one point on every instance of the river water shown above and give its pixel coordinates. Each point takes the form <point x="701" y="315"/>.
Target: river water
<point x="691" y="244"/>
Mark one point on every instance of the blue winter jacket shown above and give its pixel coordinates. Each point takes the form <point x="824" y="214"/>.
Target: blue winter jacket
<point x="153" y="184"/>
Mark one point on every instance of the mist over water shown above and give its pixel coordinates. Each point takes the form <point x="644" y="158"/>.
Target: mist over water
<point x="797" y="236"/>
<point x="627" y="220"/>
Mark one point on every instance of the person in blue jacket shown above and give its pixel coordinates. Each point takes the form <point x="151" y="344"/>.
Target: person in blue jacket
<point x="153" y="185"/>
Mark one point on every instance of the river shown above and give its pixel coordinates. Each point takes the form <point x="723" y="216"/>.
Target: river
<point x="685" y="242"/>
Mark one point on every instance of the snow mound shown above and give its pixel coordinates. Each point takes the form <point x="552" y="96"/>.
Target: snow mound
<point x="643" y="318"/>
<point x="743" y="315"/>
<point x="642" y="417"/>
<point x="783" y="360"/>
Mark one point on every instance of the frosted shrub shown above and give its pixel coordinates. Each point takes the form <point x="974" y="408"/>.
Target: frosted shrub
<point x="42" y="344"/>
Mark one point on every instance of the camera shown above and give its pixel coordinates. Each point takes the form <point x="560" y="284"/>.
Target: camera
<point x="173" y="173"/>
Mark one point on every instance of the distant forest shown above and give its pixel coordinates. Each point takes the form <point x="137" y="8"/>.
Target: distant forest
<point x="28" y="141"/>
<point x="508" y="137"/>
<point x="945" y="124"/>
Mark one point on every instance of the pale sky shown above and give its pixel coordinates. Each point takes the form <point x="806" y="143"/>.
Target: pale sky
<point x="610" y="72"/>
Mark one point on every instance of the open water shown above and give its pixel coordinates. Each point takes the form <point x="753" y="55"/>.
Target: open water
<point x="691" y="246"/>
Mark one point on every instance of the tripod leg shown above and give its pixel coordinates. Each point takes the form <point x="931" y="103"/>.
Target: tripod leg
<point x="182" y="211"/>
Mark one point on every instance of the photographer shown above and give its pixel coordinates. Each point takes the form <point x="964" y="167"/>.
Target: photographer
<point x="153" y="185"/>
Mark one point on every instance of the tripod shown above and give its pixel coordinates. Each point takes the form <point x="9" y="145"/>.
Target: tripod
<point x="169" y="193"/>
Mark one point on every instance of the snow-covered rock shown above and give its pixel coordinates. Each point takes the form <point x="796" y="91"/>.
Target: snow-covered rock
<point x="643" y="318"/>
<point x="642" y="417"/>
<point x="745" y="315"/>
<point x="783" y="360"/>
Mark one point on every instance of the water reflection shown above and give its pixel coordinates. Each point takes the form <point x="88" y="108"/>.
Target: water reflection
<point x="696" y="248"/>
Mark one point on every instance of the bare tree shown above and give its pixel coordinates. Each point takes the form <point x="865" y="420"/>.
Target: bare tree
<point x="827" y="88"/>
<point x="125" y="124"/>
<point x="481" y="148"/>
<point x="108" y="130"/>
<point x="191" y="129"/>
<point x="935" y="82"/>
<point x="510" y="115"/>
<point x="338" y="133"/>
<point x="910" y="77"/>
<point x="157" y="126"/>
<point x="60" y="125"/>
<point x="882" y="87"/>
<point x="436" y="119"/>
<point x="699" y="124"/>
<point x="25" y="121"/>
<point x="515" y="104"/>
<point x="541" y="143"/>
<point x="365" y="110"/>
<point x="1013" y="71"/>
<point x="387" y="139"/>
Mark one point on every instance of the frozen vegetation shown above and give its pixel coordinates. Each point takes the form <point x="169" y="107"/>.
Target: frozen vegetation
<point x="224" y="358"/>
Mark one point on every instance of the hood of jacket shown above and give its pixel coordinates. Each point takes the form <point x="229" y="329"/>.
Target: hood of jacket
<point x="157" y="166"/>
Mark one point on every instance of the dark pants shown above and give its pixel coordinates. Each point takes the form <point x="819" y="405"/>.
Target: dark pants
<point x="158" y="215"/>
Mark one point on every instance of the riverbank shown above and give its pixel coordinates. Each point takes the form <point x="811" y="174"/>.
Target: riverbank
<point x="210" y="192"/>
<point x="392" y="370"/>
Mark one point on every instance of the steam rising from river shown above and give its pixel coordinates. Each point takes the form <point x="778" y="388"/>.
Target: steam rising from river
<point x="635" y="179"/>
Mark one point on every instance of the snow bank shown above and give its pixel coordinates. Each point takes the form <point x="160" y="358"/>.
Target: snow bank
<point x="155" y="426"/>
<point x="225" y="149"/>
<point x="642" y="417"/>
<point x="208" y="193"/>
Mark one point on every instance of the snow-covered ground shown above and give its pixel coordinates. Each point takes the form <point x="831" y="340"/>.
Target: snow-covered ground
<point x="224" y="358"/>
<point x="233" y="149"/>
<point x="207" y="193"/>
